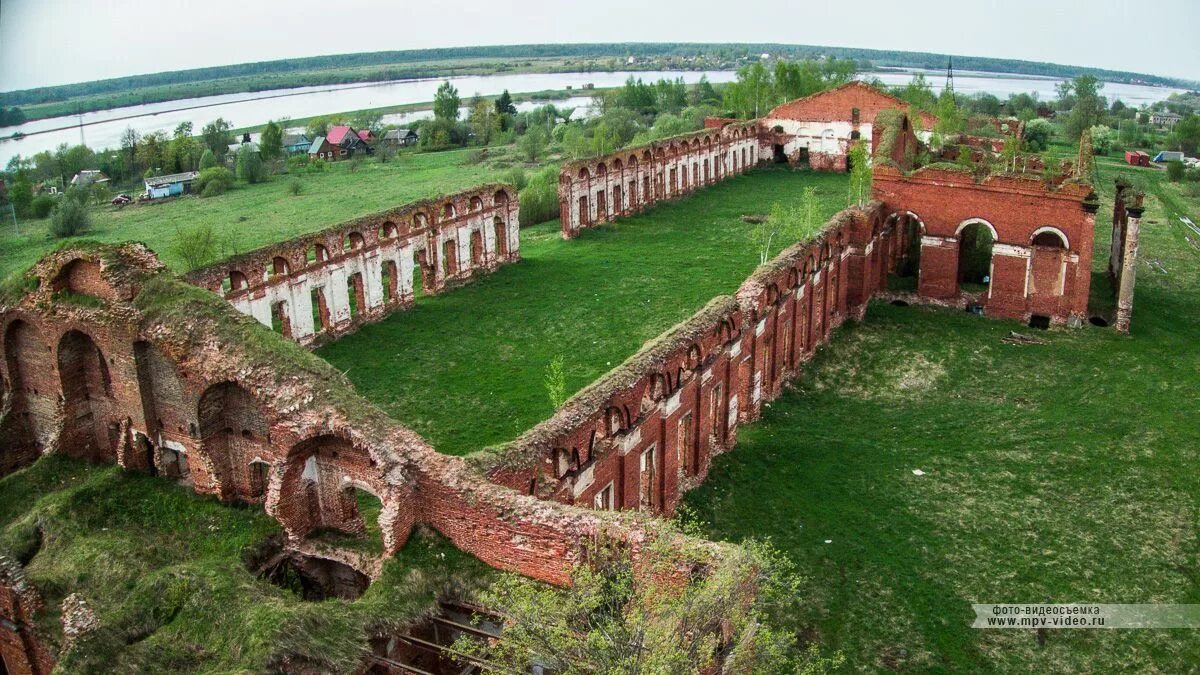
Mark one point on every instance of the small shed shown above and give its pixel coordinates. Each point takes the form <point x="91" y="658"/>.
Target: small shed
<point x="400" y="137"/>
<point x="171" y="185"/>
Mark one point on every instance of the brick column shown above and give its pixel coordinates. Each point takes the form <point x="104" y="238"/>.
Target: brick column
<point x="1128" y="271"/>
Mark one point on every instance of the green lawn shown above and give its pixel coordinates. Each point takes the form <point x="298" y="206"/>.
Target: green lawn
<point x="164" y="571"/>
<point x="1062" y="472"/>
<point x="466" y="369"/>
<point x="256" y="215"/>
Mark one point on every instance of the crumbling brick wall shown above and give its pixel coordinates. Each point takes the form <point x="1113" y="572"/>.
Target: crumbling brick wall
<point x="647" y="431"/>
<point x="22" y="650"/>
<point x="323" y="285"/>
<point x="600" y="189"/>
<point x="1043" y="233"/>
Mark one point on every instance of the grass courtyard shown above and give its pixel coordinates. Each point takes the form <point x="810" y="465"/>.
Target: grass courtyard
<point x="1060" y="472"/>
<point x="466" y="369"/>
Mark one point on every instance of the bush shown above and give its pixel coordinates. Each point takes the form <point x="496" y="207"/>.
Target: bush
<point x="69" y="219"/>
<point x="295" y="187"/>
<point x="1174" y="171"/>
<point x="317" y="166"/>
<point x="250" y="167"/>
<point x="1103" y="139"/>
<point x="208" y="160"/>
<point x="214" y="181"/>
<point x="1038" y="134"/>
<point x="42" y="206"/>
<point x="515" y="177"/>
<point x="297" y="162"/>
<point x="196" y="246"/>
<point x="539" y="199"/>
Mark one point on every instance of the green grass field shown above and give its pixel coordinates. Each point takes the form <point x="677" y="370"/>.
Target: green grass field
<point x="256" y="215"/>
<point x="466" y="369"/>
<point x="1061" y="472"/>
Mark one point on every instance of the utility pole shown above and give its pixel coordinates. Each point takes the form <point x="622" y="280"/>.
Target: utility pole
<point x="950" y="73"/>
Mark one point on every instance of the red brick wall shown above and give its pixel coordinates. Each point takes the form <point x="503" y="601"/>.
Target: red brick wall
<point x="1024" y="279"/>
<point x="836" y="105"/>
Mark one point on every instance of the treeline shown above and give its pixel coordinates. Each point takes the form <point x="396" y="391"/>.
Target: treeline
<point x="726" y="51"/>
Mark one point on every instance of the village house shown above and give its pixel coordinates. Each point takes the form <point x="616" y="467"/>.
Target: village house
<point x="1164" y="119"/>
<point x="400" y="138"/>
<point x="171" y="185"/>
<point x="294" y="144"/>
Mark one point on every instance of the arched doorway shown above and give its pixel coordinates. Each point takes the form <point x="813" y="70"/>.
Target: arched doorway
<point x="322" y="489"/>
<point x="975" y="240"/>
<point x="1047" y="271"/>
<point x="87" y="394"/>
<point x="233" y="433"/>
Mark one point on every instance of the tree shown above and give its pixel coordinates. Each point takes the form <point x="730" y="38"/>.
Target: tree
<point x="950" y="119"/>
<point x="1038" y="133"/>
<point x="504" y="105"/>
<point x="21" y="194"/>
<point x="704" y="93"/>
<point x="1088" y="110"/>
<point x="446" y="103"/>
<point x="918" y="93"/>
<point x="183" y="153"/>
<point x="152" y="151"/>
<point x="1103" y="139"/>
<point x="556" y="382"/>
<point x="860" y="175"/>
<point x="1174" y="171"/>
<point x="250" y="167"/>
<point x="1186" y="134"/>
<point x="217" y="136"/>
<point x="129" y="144"/>
<point x="208" y="160"/>
<point x="270" y="145"/>
<point x="69" y="219"/>
<point x="484" y="120"/>
<point x="753" y="92"/>
<point x="534" y="143"/>
<point x="213" y="181"/>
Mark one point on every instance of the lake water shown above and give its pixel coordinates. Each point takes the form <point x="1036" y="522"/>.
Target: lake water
<point x="103" y="129"/>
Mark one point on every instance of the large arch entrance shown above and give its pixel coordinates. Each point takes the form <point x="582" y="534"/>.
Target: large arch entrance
<point x="323" y="490"/>
<point x="975" y="240"/>
<point x="233" y="434"/>
<point x="87" y="394"/>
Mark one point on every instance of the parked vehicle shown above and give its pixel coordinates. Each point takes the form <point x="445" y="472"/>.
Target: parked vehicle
<point x="121" y="199"/>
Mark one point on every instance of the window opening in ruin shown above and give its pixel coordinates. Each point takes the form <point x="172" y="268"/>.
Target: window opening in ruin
<point x="476" y="245"/>
<point x="449" y="258"/>
<point x="974" y="258"/>
<point x="320" y="309"/>
<point x="173" y="464"/>
<point x="366" y="509"/>
<point x="421" y="272"/>
<point x="585" y="216"/>
<point x="715" y="400"/>
<point x="780" y="155"/>
<point x="501" y="236"/>
<point x="854" y="136"/>
<point x="1098" y="321"/>
<point x="388" y="276"/>
<point x="646" y="477"/>
<point x="354" y="294"/>
<point x="616" y="199"/>
<point x="604" y="498"/>
<point x="854" y="116"/>
<point x="280" y="322"/>
<point x="1039" y="321"/>
<point x="279" y="266"/>
<point x="259" y="472"/>
<point x="683" y="443"/>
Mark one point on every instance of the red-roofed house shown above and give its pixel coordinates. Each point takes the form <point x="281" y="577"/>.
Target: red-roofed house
<point x="818" y="130"/>
<point x="366" y="136"/>
<point x="345" y="142"/>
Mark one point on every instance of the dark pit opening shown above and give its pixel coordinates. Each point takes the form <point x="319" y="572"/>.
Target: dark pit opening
<point x="1040" y="322"/>
<point x="900" y="303"/>
<point x="309" y="577"/>
<point x="1098" y="321"/>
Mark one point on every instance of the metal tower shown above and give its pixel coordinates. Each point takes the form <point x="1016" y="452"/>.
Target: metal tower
<point x="950" y="73"/>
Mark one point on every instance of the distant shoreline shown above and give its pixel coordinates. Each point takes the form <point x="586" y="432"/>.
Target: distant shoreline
<point x="378" y="67"/>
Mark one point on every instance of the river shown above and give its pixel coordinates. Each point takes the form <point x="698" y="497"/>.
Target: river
<point x="102" y="129"/>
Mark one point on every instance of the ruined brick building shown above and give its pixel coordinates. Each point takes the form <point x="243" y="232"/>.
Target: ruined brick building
<point x="110" y="358"/>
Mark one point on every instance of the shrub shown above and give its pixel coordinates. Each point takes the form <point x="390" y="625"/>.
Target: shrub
<point x="297" y="162"/>
<point x="250" y="167"/>
<point x="208" y="160"/>
<point x="1038" y="134"/>
<point x="515" y="177"/>
<point x="41" y="206"/>
<point x="213" y="181"/>
<point x="70" y="218"/>
<point x="354" y="164"/>
<point x="316" y="166"/>
<point x="295" y="187"/>
<point x="539" y="199"/>
<point x="196" y="246"/>
<point x="1174" y="171"/>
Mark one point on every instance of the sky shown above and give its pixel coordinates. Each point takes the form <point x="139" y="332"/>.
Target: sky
<point x="48" y="42"/>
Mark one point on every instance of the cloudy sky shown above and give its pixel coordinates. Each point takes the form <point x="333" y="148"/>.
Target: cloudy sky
<point x="47" y="42"/>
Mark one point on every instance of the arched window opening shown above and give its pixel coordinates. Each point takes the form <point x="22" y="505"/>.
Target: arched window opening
<point x="279" y="266"/>
<point x="355" y="294"/>
<point x="975" y="243"/>
<point x="320" y="308"/>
